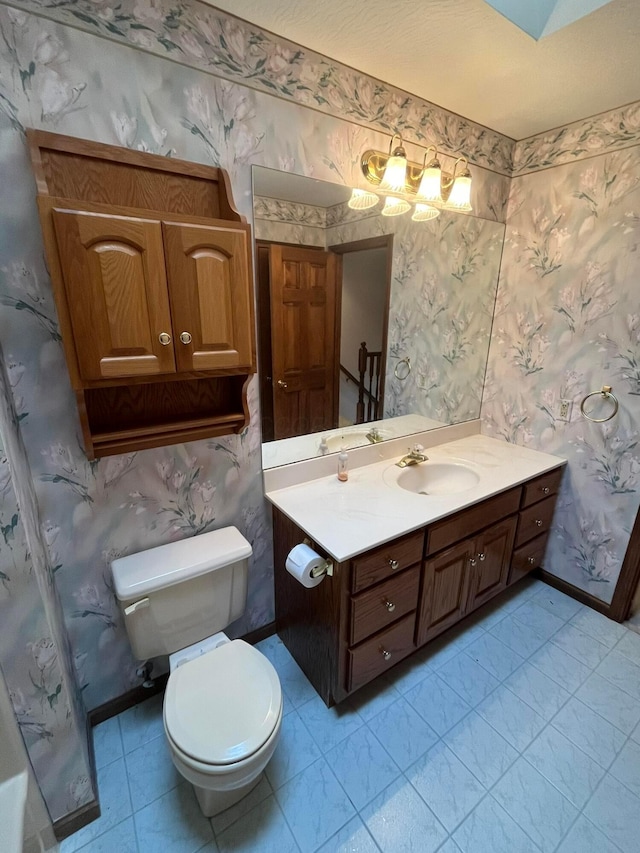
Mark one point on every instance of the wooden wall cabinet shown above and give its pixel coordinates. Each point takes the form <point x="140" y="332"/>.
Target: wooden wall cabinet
<point x="151" y="269"/>
<point x="381" y="605"/>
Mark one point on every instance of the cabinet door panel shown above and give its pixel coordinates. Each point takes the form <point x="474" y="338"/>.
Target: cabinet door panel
<point x="114" y="276"/>
<point x="491" y="568"/>
<point x="444" y="591"/>
<point x="210" y="292"/>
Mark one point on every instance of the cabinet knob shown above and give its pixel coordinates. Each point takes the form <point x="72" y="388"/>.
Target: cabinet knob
<point x="538" y="522"/>
<point x="482" y="557"/>
<point x="389" y="605"/>
<point x="531" y="561"/>
<point x="472" y="561"/>
<point x="164" y="338"/>
<point x="393" y="563"/>
<point x="185" y="337"/>
<point x="545" y="490"/>
<point x="282" y="384"/>
<point x="385" y="654"/>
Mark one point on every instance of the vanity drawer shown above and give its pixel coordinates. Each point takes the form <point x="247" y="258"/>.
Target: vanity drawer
<point x="381" y="652"/>
<point x="541" y="487"/>
<point x="534" y="520"/>
<point x="527" y="558"/>
<point x="383" y="604"/>
<point x="470" y="521"/>
<point x="385" y="561"/>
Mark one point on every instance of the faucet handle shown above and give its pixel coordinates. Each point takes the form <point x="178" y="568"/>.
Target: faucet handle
<point x="418" y="448"/>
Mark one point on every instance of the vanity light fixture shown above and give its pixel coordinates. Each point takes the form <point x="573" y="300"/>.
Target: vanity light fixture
<point x="395" y="171"/>
<point x="427" y="184"/>
<point x="424" y="212"/>
<point x="431" y="181"/>
<point x="362" y="199"/>
<point x="394" y="206"/>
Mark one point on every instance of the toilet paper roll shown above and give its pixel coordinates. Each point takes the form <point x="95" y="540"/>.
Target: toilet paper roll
<point x="299" y="563"/>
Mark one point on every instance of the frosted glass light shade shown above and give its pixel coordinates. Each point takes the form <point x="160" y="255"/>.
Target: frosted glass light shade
<point x="460" y="197"/>
<point x="362" y="199"/>
<point x="429" y="189"/>
<point x="395" y="206"/>
<point x="395" y="174"/>
<point x="424" y="212"/>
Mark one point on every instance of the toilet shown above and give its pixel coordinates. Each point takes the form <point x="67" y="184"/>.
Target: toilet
<point x="223" y="703"/>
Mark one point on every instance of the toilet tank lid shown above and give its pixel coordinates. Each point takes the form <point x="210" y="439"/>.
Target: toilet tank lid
<point x="147" y="571"/>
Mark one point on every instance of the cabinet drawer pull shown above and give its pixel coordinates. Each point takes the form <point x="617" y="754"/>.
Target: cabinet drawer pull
<point x="482" y="557"/>
<point x="531" y="561"/>
<point x="538" y="522"/>
<point x="164" y="338"/>
<point x="185" y="337"/>
<point x="385" y="654"/>
<point x="545" y="490"/>
<point x="393" y="563"/>
<point x="472" y="561"/>
<point x="389" y="605"/>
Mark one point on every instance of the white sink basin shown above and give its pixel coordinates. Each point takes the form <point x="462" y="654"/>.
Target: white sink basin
<point x="434" y="478"/>
<point x="352" y="438"/>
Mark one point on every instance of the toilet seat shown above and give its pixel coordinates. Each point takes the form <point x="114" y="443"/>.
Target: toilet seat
<point x="222" y="707"/>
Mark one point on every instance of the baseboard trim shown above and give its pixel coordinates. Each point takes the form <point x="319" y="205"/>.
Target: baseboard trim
<point x="127" y="700"/>
<point x="67" y="825"/>
<point x="260" y="634"/>
<point x="139" y="694"/>
<point x="577" y="593"/>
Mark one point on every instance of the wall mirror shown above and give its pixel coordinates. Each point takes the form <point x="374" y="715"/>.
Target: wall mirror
<point x="370" y="327"/>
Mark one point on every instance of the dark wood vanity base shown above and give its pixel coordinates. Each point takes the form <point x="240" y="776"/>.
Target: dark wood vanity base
<point x="382" y="605"/>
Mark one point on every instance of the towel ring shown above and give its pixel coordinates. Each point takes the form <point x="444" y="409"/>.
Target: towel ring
<point x="606" y="394"/>
<point x="401" y="372"/>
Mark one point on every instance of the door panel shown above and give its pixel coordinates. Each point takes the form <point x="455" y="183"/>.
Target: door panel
<point x="114" y="275"/>
<point x="491" y="569"/>
<point x="303" y="323"/>
<point x="444" y="591"/>
<point x="209" y="287"/>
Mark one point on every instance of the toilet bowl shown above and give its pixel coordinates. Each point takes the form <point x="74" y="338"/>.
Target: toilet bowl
<point x="223" y="703"/>
<point x="222" y="716"/>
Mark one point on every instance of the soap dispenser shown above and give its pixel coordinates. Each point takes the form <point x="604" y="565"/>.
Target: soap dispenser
<point x="343" y="463"/>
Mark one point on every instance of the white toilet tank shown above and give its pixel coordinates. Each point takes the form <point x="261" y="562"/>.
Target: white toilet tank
<point x="178" y="594"/>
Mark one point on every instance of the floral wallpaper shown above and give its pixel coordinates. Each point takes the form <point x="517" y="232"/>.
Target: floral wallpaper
<point x="281" y="221"/>
<point x="592" y="137"/>
<point x="212" y="89"/>
<point x="53" y="77"/>
<point x="443" y="286"/>
<point x="34" y="657"/>
<point x="567" y="322"/>
<point x="192" y="33"/>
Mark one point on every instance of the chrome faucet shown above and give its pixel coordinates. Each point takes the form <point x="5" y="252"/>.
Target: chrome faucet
<point x="413" y="457"/>
<point x="374" y="436"/>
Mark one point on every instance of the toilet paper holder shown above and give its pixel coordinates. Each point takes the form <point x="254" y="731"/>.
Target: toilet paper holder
<point x="325" y="568"/>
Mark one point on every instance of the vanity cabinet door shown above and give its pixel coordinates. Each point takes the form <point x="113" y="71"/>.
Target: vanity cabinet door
<point x="490" y="564"/>
<point x="445" y="590"/>
<point x="116" y="287"/>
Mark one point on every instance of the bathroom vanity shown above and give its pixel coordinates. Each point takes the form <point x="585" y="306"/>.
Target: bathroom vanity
<point x="407" y="564"/>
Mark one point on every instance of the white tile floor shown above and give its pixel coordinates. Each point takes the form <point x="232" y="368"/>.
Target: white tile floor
<point x="518" y="732"/>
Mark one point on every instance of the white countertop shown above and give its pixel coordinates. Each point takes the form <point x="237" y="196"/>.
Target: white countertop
<point x="288" y="450"/>
<point x="348" y="518"/>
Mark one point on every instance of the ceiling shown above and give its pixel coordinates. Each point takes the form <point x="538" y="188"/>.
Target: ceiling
<point x="273" y="183"/>
<point x="467" y="57"/>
